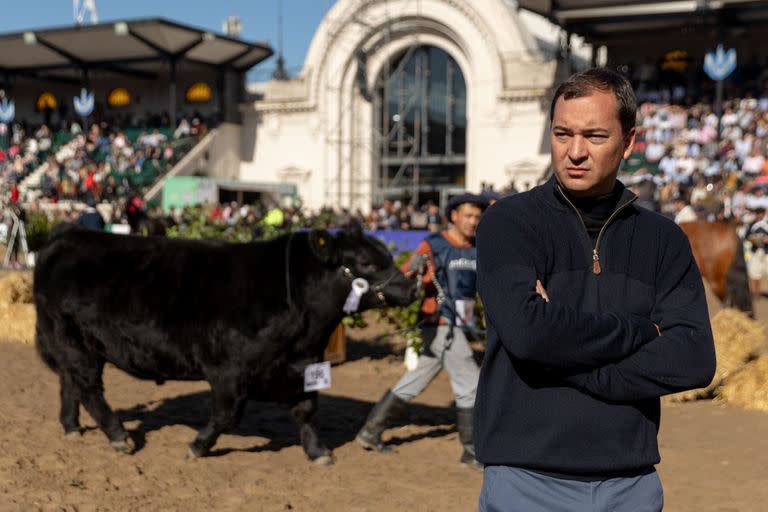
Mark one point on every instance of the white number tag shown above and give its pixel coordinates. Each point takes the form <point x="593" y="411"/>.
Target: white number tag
<point x="465" y="308"/>
<point x="317" y="376"/>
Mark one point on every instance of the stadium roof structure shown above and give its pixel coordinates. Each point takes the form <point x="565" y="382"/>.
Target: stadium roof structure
<point x="131" y="47"/>
<point x="605" y="20"/>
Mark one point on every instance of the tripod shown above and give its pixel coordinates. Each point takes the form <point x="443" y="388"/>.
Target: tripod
<point x="17" y="231"/>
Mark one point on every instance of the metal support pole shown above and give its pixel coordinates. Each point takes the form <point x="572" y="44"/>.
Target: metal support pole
<point x="172" y="94"/>
<point x="719" y="107"/>
<point x="221" y="93"/>
<point x="87" y="87"/>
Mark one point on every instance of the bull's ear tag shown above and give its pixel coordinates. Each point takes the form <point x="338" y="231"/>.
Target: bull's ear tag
<point x="317" y="376"/>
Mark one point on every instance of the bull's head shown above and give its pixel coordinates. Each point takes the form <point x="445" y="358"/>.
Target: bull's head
<point x="361" y="256"/>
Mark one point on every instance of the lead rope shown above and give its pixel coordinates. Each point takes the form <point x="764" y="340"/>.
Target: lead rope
<point x="441" y="298"/>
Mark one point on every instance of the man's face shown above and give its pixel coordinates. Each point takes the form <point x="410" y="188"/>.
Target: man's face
<point x="465" y="219"/>
<point x="588" y="144"/>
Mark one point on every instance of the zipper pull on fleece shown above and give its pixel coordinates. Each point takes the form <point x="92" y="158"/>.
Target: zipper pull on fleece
<point x="596" y="263"/>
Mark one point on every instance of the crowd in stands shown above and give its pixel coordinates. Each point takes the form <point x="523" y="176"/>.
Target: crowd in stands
<point x="681" y="160"/>
<point x="693" y="158"/>
<point x="102" y="162"/>
<point x="688" y="163"/>
<point x="264" y="217"/>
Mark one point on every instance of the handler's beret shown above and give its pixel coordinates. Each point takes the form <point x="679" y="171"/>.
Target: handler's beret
<point x="461" y="199"/>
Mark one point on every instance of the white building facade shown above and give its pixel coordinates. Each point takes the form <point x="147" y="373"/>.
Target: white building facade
<point x="410" y="100"/>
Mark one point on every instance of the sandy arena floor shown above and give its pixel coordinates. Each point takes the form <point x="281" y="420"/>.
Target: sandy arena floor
<point x="714" y="458"/>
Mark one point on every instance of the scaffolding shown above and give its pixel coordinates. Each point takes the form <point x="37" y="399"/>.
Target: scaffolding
<point x="350" y="141"/>
<point x="17" y="240"/>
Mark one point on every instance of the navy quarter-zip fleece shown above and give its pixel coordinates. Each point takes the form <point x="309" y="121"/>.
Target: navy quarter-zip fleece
<point x="572" y="386"/>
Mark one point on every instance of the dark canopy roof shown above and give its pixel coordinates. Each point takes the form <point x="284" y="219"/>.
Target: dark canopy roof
<point x="612" y="19"/>
<point x="117" y="45"/>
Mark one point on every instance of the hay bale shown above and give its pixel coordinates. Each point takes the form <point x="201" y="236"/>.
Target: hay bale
<point x="16" y="288"/>
<point x="747" y="388"/>
<point x="737" y="339"/>
<point x="18" y="321"/>
<point x="17" y="312"/>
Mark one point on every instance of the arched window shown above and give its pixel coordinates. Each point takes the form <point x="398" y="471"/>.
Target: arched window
<point x="420" y="125"/>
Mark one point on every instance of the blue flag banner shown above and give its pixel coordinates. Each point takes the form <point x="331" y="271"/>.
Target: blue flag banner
<point x="720" y="63"/>
<point x="396" y="240"/>
<point x="7" y="111"/>
<point x="84" y="103"/>
<point x="402" y="241"/>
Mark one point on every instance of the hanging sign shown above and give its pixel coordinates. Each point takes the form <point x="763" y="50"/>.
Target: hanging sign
<point x="46" y="101"/>
<point x="84" y="103"/>
<point x="119" y="98"/>
<point x="7" y="111"/>
<point x="198" y="93"/>
<point x="676" y="60"/>
<point x="720" y="63"/>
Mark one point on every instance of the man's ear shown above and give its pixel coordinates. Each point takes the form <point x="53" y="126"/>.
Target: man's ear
<point x="324" y="245"/>
<point x="629" y="144"/>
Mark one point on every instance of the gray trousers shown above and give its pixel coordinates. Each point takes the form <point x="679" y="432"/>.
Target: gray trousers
<point x="508" y="489"/>
<point x="457" y="360"/>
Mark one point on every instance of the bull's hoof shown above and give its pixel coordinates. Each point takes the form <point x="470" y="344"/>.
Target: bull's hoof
<point x="126" y="446"/>
<point x="73" y="434"/>
<point x="194" y="452"/>
<point x="323" y="460"/>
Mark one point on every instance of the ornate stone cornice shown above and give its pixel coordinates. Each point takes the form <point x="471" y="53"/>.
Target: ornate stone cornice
<point x="524" y="95"/>
<point x="285" y="108"/>
<point x="357" y="10"/>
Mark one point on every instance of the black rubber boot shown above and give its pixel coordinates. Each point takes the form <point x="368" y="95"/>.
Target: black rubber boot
<point x="387" y="409"/>
<point x="464" y="426"/>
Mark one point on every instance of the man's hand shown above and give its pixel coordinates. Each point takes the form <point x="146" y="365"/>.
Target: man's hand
<point x="417" y="263"/>
<point x="541" y="291"/>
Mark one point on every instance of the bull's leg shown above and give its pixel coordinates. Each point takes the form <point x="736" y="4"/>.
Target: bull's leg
<point x="92" y="397"/>
<point x="69" y="415"/>
<point x="228" y="400"/>
<point x="80" y="378"/>
<point x="53" y="342"/>
<point x="303" y="413"/>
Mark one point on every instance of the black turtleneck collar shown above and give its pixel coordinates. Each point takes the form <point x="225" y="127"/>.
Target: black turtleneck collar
<point x="595" y="210"/>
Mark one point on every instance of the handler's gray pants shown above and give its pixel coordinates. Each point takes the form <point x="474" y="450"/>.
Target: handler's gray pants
<point x="457" y="360"/>
<point x="509" y="489"/>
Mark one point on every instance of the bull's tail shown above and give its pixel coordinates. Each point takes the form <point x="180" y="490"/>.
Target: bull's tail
<point x="45" y="339"/>
<point x="738" y="293"/>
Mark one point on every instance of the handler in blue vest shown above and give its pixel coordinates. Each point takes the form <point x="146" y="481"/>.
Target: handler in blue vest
<point x="446" y="262"/>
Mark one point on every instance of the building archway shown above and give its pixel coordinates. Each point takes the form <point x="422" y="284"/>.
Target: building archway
<point x="420" y="125"/>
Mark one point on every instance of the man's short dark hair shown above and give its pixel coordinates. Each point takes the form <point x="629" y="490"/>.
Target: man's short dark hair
<point x="586" y="82"/>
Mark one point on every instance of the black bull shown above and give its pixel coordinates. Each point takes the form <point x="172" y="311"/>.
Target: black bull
<point x="247" y="318"/>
